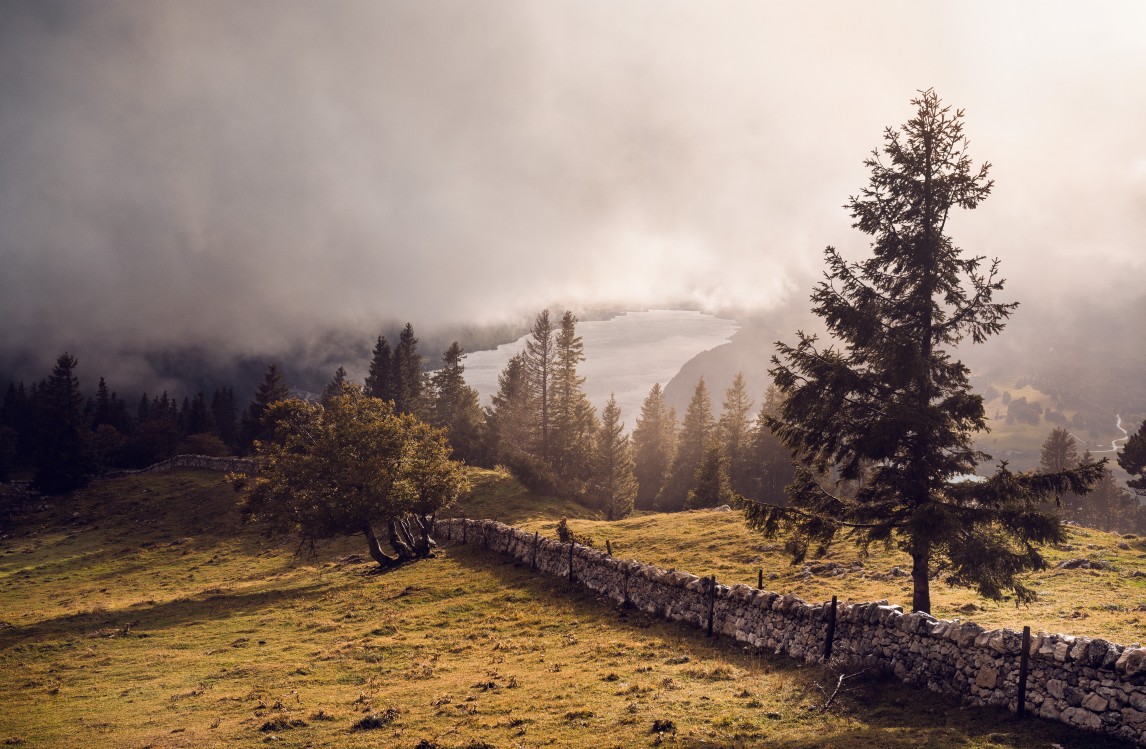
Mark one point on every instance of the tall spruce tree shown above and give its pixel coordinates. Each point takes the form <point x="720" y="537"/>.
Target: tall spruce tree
<point x="380" y="377"/>
<point x="510" y="417"/>
<point x="456" y="406"/>
<point x="711" y="485"/>
<point x="408" y="379"/>
<point x="889" y="405"/>
<point x="1059" y="452"/>
<point x="257" y="425"/>
<point x="574" y="420"/>
<point x="614" y="485"/>
<point x="540" y="361"/>
<point x="1133" y="460"/>
<point x="334" y="387"/>
<point x="61" y="457"/>
<point x="654" y="446"/>
<point x="735" y="434"/>
<point x="695" y="432"/>
<point x="772" y="466"/>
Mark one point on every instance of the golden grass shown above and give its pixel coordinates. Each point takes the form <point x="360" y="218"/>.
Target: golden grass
<point x="151" y="619"/>
<point x="1108" y="603"/>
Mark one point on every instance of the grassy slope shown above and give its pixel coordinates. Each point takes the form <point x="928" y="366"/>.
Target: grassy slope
<point x="226" y="632"/>
<point x="1108" y="603"/>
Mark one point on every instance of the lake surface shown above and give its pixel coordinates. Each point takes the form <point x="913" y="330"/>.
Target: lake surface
<point x="625" y="355"/>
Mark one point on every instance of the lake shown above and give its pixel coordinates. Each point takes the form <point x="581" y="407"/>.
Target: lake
<point x="625" y="355"/>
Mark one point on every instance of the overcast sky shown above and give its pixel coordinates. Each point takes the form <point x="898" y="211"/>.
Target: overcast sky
<point x="245" y="174"/>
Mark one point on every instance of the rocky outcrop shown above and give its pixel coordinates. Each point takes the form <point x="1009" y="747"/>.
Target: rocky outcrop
<point x="1088" y="683"/>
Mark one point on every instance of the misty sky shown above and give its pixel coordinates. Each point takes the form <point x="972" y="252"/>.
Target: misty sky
<point x="240" y="175"/>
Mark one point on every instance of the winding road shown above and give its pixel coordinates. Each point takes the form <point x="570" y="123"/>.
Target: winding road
<point x="1114" y="447"/>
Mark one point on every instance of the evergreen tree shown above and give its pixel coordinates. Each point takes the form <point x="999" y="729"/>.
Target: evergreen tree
<point x="380" y="378"/>
<point x="456" y="407"/>
<point x="511" y="414"/>
<point x="1133" y="460"/>
<point x="735" y="434"/>
<point x="61" y="455"/>
<point x="1108" y="506"/>
<point x="223" y="409"/>
<point x="334" y="387"/>
<point x="271" y="390"/>
<point x="407" y="373"/>
<point x="772" y="468"/>
<point x="654" y="446"/>
<point x="540" y="361"/>
<point x="695" y="433"/>
<point x="891" y="397"/>
<point x="614" y="485"/>
<point x="198" y="418"/>
<point x="712" y="487"/>
<point x="101" y="413"/>
<point x="574" y="420"/>
<point x="1060" y="453"/>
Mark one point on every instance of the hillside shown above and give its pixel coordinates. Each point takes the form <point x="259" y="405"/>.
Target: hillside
<point x="142" y="613"/>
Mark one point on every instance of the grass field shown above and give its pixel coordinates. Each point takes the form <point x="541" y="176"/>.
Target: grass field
<point x="141" y="614"/>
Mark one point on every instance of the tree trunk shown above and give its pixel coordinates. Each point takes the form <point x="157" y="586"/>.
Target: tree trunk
<point x="425" y="526"/>
<point x="920" y="577"/>
<point x="382" y="558"/>
<point x="412" y="538"/>
<point x="400" y="545"/>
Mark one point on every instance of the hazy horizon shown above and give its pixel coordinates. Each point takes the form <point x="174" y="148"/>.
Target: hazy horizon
<point x="245" y="178"/>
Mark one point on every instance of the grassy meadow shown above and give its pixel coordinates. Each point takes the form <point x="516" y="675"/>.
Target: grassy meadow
<point x="141" y="613"/>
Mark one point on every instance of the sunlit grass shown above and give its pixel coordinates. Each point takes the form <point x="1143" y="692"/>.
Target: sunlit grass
<point x="151" y="618"/>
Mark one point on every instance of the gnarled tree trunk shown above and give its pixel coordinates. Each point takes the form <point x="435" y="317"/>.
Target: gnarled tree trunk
<point x="382" y="558"/>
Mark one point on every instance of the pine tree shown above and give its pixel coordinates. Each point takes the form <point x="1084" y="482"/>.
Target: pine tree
<point x="380" y="378"/>
<point x="1133" y="460"/>
<point x="334" y="387"/>
<point x="735" y="434"/>
<point x="574" y="420"/>
<point x="61" y="456"/>
<point x="540" y="360"/>
<point x="409" y="382"/>
<point x="271" y="390"/>
<point x="772" y="466"/>
<point x="223" y="410"/>
<point x="712" y="487"/>
<point x="511" y="414"/>
<point x="695" y="433"/>
<point x="198" y="418"/>
<point x="456" y="407"/>
<point x="654" y="446"/>
<point x="1060" y="453"/>
<point x="101" y="414"/>
<point x="891" y="397"/>
<point x="614" y="485"/>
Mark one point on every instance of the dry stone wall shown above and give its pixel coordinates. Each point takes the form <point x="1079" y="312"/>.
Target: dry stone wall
<point x="203" y="462"/>
<point x="1088" y="683"/>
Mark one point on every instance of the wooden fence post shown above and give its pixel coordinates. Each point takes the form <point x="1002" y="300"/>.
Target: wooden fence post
<point x="760" y="579"/>
<point x="608" y="548"/>
<point x="1021" y="705"/>
<point x="571" y="544"/>
<point x="536" y="540"/>
<point x="711" y="601"/>
<point x="831" y="632"/>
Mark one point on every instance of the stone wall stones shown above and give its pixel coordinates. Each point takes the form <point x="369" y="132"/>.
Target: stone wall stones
<point x="203" y="462"/>
<point x="1085" y="682"/>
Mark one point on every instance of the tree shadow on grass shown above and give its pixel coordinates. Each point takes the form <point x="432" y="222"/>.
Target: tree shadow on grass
<point x="148" y="618"/>
<point x="882" y="712"/>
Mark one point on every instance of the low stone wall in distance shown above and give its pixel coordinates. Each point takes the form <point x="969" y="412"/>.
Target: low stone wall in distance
<point x="228" y="464"/>
<point x="1088" y="683"/>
